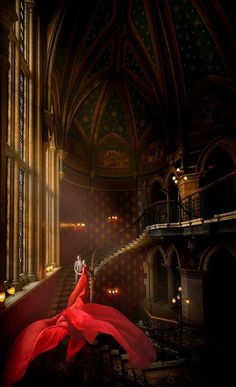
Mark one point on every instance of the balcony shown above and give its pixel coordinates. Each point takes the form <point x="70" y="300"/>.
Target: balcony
<point x="209" y="209"/>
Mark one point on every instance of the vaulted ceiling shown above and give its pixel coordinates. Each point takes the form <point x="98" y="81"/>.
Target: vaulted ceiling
<point x="121" y="75"/>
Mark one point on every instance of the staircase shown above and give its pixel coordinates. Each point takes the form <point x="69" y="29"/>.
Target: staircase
<point x="104" y="363"/>
<point x="65" y="287"/>
<point x="141" y="241"/>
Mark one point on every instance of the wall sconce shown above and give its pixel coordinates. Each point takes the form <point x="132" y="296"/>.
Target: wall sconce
<point x="113" y="219"/>
<point x="79" y="226"/>
<point x="177" y="178"/>
<point x="6" y="289"/>
<point x="73" y="226"/>
<point x="49" y="268"/>
<point x="112" y="291"/>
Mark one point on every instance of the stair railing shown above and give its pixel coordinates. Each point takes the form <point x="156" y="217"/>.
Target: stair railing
<point x="215" y="198"/>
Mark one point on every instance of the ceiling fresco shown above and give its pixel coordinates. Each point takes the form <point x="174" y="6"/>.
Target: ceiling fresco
<point x="122" y="73"/>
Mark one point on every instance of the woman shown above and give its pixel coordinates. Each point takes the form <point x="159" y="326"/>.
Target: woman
<point x="82" y="287"/>
<point x="81" y="322"/>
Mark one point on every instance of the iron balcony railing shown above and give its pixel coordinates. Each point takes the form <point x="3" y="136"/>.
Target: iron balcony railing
<point x="214" y="199"/>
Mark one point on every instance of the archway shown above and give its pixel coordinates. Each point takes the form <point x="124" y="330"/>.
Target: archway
<point x="217" y="165"/>
<point x="160" y="280"/>
<point x="157" y="193"/>
<point x="174" y="279"/>
<point x="158" y="283"/>
<point x="219" y="290"/>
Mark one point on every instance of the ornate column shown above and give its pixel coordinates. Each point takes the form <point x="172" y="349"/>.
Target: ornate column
<point x="7" y="18"/>
<point x="149" y="283"/>
<point x="171" y="283"/>
<point x="31" y="272"/>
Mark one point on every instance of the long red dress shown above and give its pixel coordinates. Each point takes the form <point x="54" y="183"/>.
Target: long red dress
<point x="82" y="322"/>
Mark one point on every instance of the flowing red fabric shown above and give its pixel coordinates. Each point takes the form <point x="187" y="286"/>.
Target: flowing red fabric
<point x="82" y="323"/>
<point x="81" y="290"/>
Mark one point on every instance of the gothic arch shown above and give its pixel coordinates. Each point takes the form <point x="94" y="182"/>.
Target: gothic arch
<point x="211" y="250"/>
<point x="168" y="176"/>
<point x="173" y="266"/>
<point x="216" y="166"/>
<point x="158" y="182"/>
<point x="152" y="252"/>
<point x="169" y="254"/>
<point x="228" y="145"/>
<point x="219" y="266"/>
<point x="156" y="286"/>
<point x="170" y="185"/>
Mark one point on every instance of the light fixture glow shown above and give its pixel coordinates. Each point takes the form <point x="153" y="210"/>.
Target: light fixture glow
<point x="11" y="290"/>
<point x="113" y="291"/>
<point x="2" y="296"/>
<point x="6" y="289"/>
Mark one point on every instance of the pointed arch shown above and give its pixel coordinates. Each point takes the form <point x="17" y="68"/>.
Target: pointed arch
<point x="152" y="253"/>
<point x="219" y="266"/>
<point x="228" y="145"/>
<point x="171" y="251"/>
<point x="157" y="275"/>
<point x="173" y="269"/>
<point x="211" y="250"/>
<point x="156" y="190"/>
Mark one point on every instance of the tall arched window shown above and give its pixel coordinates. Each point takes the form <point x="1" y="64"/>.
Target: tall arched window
<point x="20" y="149"/>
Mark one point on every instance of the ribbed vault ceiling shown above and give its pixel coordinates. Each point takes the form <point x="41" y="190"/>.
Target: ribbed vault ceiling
<point x="122" y="73"/>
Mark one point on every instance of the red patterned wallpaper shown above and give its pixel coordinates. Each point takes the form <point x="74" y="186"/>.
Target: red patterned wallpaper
<point x="79" y="205"/>
<point x="93" y="207"/>
<point x="125" y="273"/>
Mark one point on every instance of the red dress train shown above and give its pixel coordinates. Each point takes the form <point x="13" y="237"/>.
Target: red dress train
<point x="82" y="322"/>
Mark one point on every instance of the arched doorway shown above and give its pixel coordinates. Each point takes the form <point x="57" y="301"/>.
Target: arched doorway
<point x="174" y="279"/>
<point x="219" y="289"/>
<point x="157" y="193"/>
<point x="158" y="279"/>
<point x="217" y="165"/>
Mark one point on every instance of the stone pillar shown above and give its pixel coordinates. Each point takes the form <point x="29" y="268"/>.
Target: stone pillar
<point x="172" y="291"/>
<point x="150" y="282"/>
<point x="57" y="210"/>
<point x="192" y="288"/>
<point x="7" y="18"/>
<point x="32" y="182"/>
